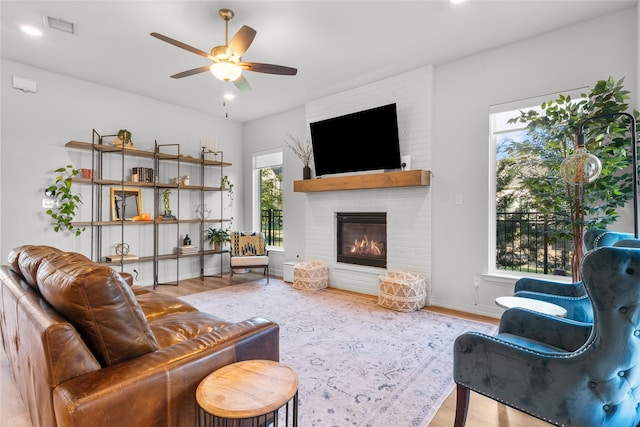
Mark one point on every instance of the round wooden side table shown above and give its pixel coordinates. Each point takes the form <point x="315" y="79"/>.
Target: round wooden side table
<point x="249" y="393"/>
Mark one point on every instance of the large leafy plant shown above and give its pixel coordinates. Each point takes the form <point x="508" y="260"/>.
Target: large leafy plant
<point x="551" y="137"/>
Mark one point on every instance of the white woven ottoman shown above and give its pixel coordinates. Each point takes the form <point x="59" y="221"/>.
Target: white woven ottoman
<point x="402" y="291"/>
<point x="310" y="275"/>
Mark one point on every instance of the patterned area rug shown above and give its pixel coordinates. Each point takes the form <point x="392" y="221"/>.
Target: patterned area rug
<point x="358" y="364"/>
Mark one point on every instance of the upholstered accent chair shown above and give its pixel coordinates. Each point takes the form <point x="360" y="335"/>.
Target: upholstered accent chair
<point x="544" y="366"/>
<point x="572" y="296"/>
<point x="248" y="250"/>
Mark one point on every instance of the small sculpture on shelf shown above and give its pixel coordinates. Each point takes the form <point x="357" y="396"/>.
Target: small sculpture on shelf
<point x="124" y="139"/>
<point x="167" y="207"/>
<point x="202" y="212"/>
<point x="122" y="249"/>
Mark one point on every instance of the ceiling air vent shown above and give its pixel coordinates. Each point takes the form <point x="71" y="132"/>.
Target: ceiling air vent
<point x="60" y="24"/>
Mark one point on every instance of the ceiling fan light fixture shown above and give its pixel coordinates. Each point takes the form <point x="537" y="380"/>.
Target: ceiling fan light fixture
<point x="226" y="71"/>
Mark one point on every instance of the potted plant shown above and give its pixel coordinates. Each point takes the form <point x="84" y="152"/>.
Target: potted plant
<point x="217" y="237"/>
<point x="66" y="202"/>
<point x="304" y="151"/>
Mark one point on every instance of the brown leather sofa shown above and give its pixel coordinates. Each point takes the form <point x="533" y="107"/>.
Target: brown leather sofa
<point x="88" y="349"/>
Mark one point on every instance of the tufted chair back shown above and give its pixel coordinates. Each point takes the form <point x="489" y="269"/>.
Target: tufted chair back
<point x="595" y="384"/>
<point x="599" y="237"/>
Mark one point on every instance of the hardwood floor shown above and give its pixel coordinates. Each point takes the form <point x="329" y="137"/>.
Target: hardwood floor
<point x="483" y="412"/>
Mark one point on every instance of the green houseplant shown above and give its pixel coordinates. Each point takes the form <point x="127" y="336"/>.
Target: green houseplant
<point x="217" y="237"/>
<point x="227" y="185"/>
<point x="535" y="162"/>
<point x="66" y="202"/>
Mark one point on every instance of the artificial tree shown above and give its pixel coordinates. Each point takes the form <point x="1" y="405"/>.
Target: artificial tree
<point x="550" y="139"/>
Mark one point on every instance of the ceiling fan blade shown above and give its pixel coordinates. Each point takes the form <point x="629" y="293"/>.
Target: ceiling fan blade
<point x="182" y="45"/>
<point x="268" y="68"/>
<point x="242" y="84"/>
<point x="241" y="41"/>
<point x="191" y="72"/>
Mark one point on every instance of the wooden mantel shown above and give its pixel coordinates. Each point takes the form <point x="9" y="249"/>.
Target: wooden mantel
<point x="411" y="178"/>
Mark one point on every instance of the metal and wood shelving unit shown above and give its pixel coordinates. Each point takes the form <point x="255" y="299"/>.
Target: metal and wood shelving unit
<point x="101" y="181"/>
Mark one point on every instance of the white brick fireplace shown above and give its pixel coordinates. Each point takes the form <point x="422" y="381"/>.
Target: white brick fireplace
<point x="408" y="209"/>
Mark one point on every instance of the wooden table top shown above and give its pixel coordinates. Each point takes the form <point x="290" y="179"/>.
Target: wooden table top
<point x="247" y="389"/>
<point x="531" y="304"/>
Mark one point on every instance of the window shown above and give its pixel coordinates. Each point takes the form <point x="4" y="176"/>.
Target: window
<point x="519" y="232"/>
<point x="267" y="170"/>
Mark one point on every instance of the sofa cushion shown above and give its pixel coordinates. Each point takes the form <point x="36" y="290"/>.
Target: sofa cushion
<point x="177" y="327"/>
<point x="96" y="300"/>
<point x="28" y="260"/>
<point x="13" y="256"/>
<point x="156" y="305"/>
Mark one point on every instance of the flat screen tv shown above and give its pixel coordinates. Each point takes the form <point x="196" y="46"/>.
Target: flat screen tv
<point x="362" y="141"/>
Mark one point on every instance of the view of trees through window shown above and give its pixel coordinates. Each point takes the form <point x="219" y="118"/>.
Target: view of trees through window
<point x="540" y="218"/>
<point x="522" y="231"/>
<point x="271" y="204"/>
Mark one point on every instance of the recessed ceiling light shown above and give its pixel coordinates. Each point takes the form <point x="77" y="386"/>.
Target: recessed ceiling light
<point x="229" y="96"/>
<point x="31" y="30"/>
<point x="457" y="1"/>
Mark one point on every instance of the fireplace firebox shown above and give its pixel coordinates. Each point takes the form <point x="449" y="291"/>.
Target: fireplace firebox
<point x="362" y="238"/>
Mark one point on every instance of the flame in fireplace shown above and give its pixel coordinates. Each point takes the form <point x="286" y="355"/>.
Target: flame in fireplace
<point x="366" y="247"/>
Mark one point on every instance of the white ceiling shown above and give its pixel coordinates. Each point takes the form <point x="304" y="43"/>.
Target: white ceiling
<point x="335" y="45"/>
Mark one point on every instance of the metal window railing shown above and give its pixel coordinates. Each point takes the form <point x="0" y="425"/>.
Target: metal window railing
<point x="532" y="242"/>
<point x="271" y="226"/>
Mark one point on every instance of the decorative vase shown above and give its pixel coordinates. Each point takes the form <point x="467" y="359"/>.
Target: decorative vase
<point x="217" y="246"/>
<point x="306" y="172"/>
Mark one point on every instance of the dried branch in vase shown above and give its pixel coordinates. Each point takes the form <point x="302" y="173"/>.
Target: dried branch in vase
<point x="304" y="151"/>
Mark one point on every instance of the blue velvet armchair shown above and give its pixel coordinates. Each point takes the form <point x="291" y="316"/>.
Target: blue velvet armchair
<point x="562" y="371"/>
<point x="571" y="296"/>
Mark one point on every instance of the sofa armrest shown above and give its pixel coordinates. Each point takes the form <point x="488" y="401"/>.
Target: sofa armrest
<point x="158" y="388"/>
<point x="555" y="331"/>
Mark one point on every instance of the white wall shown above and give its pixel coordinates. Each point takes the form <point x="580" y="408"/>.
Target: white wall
<point x="266" y="135"/>
<point x="408" y="209"/>
<point x="35" y="127"/>
<point x="574" y="57"/>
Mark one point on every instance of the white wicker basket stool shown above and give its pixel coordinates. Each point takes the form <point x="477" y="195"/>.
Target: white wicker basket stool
<point x="310" y="275"/>
<point x="402" y="291"/>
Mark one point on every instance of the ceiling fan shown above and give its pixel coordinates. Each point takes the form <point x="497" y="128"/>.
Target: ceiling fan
<point x="227" y="59"/>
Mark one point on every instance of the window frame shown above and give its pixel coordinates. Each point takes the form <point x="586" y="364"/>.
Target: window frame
<point x="260" y="160"/>
<point x="524" y="104"/>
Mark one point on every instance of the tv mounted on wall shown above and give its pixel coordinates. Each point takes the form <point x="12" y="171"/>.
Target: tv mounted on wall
<point x="361" y="141"/>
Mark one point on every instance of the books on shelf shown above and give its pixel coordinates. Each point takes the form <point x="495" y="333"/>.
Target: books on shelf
<point x="144" y="174"/>
<point x="187" y="250"/>
<point x="118" y="258"/>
